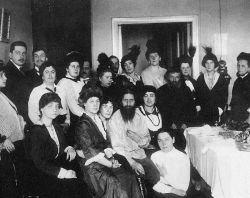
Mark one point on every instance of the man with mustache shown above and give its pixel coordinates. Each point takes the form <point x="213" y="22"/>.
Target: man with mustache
<point x="129" y="136"/>
<point x="14" y="69"/>
<point x="39" y="57"/>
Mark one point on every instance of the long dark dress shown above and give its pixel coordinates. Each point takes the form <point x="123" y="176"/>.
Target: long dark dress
<point x="104" y="182"/>
<point x="241" y="98"/>
<point x="48" y="161"/>
<point x="210" y="100"/>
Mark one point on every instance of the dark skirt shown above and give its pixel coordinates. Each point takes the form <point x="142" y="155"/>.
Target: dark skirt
<point x="105" y="182"/>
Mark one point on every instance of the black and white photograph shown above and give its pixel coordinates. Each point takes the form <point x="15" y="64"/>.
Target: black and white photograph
<point x="124" y="99"/>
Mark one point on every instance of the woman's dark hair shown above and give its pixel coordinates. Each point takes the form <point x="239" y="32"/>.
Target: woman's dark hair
<point x="165" y="130"/>
<point x="132" y="56"/>
<point x="185" y="59"/>
<point x="48" y="98"/>
<point x="89" y="91"/>
<point x="17" y="43"/>
<point x="209" y="56"/>
<point x="244" y="56"/>
<point x="44" y="66"/>
<point x="73" y="56"/>
<point x="101" y="70"/>
<point x="106" y="100"/>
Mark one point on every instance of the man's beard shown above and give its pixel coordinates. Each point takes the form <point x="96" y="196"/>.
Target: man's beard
<point x="175" y="84"/>
<point x="128" y="113"/>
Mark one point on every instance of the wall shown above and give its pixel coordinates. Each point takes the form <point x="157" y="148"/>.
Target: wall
<point x="21" y="26"/>
<point x="234" y="23"/>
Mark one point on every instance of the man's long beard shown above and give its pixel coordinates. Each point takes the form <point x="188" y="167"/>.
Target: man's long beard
<point x="128" y="113"/>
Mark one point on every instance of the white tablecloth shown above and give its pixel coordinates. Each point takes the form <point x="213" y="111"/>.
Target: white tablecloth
<point x="219" y="162"/>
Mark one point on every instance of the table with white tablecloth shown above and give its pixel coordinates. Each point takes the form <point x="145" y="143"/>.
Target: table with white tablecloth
<point x="219" y="162"/>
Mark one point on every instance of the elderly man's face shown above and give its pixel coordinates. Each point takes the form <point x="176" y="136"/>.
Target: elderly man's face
<point x="174" y="79"/>
<point x="128" y="107"/>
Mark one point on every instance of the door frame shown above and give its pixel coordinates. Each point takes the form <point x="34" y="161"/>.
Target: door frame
<point x="117" y="33"/>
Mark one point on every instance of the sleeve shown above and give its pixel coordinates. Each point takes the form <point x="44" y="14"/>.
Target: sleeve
<point x="117" y="140"/>
<point x="65" y="109"/>
<point x="5" y="129"/>
<point x="69" y="97"/>
<point x="222" y="94"/>
<point x="33" y="107"/>
<point x="84" y="140"/>
<point x="38" y="154"/>
<point x="146" y="79"/>
<point x="185" y="172"/>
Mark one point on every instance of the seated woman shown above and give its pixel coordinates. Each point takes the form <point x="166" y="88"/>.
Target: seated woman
<point x="174" y="167"/>
<point x="50" y="153"/>
<point x="12" y="162"/>
<point x="106" y="173"/>
<point x="128" y="64"/>
<point x="106" y="111"/>
<point x="150" y="112"/>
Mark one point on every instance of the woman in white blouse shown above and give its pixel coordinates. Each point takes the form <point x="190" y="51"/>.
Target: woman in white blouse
<point x="48" y="73"/>
<point x="71" y="83"/>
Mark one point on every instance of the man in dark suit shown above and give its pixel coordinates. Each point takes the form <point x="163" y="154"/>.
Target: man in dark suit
<point x="39" y="57"/>
<point x="14" y="69"/>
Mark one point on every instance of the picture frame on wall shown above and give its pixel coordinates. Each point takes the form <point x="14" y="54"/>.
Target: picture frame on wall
<point x="5" y="19"/>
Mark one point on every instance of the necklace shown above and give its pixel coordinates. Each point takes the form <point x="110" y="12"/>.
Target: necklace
<point x="158" y="117"/>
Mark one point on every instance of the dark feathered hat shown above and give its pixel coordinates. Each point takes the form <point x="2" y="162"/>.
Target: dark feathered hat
<point x="152" y="47"/>
<point x="209" y="56"/>
<point x="132" y="55"/>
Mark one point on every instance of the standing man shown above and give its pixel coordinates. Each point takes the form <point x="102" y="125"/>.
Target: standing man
<point x="14" y="69"/>
<point x="240" y="103"/>
<point x="39" y="57"/>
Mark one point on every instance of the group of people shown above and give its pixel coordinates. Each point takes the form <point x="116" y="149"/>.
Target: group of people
<point x="108" y="134"/>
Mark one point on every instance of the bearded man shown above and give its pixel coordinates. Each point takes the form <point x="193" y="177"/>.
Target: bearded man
<point x="176" y="103"/>
<point x="129" y="134"/>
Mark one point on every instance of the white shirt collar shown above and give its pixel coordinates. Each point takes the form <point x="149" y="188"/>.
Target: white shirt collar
<point x="17" y="66"/>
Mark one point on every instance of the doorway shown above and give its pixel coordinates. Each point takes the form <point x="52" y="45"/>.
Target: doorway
<point x="174" y="35"/>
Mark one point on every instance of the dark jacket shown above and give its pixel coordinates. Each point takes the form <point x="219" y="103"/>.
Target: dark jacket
<point x="43" y="149"/>
<point x="14" y="76"/>
<point x="89" y="138"/>
<point x="241" y="98"/>
<point x="210" y="100"/>
<point x="176" y="105"/>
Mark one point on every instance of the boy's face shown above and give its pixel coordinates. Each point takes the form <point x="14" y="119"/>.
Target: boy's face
<point x="243" y="67"/>
<point x="165" y="142"/>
